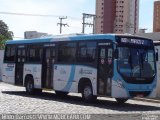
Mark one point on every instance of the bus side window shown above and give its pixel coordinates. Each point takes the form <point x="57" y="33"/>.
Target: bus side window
<point x="67" y="52"/>
<point x="34" y="53"/>
<point x="9" y="54"/>
<point x="87" y="52"/>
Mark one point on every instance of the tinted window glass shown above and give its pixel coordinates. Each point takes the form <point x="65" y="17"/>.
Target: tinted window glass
<point x="34" y="53"/>
<point x="67" y="52"/>
<point x="10" y="54"/>
<point x="87" y="52"/>
<point x="136" y="62"/>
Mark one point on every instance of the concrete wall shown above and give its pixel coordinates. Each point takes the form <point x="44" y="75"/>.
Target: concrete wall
<point x="1" y="63"/>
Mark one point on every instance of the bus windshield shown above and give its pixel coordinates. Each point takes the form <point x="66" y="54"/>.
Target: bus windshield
<point x="136" y="62"/>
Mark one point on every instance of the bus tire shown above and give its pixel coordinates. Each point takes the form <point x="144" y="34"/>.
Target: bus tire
<point x="37" y="91"/>
<point x="61" y="93"/>
<point x="29" y="85"/>
<point x="121" y="100"/>
<point x="87" y="93"/>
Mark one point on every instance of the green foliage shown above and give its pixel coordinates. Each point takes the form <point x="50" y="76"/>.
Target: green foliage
<point x="4" y="34"/>
<point x="2" y="41"/>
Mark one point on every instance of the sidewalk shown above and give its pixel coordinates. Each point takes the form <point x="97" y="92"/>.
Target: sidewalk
<point x="154" y="100"/>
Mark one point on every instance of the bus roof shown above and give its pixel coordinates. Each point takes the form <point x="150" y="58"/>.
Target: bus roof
<point x="68" y="38"/>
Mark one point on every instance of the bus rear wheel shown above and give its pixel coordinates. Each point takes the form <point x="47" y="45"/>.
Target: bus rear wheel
<point x="37" y="91"/>
<point x="87" y="93"/>
<point x="121" y="100"/>
<point x="29" y="85"/>
<point x="61" y="93"/>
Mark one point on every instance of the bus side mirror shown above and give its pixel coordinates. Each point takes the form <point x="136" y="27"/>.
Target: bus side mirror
<point x="116" y="54"/>
<point x="156" y="56"/>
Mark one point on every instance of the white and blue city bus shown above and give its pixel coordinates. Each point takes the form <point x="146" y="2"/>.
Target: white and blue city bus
<point x="117" y="66"/>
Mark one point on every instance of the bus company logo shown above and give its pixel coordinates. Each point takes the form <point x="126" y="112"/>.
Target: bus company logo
<point x="9" y="69"/>
<point x="82" y="71"/>
<point x="27" y="70"/>
<point x="10" y="65"/>
<point x="62" y="71"/>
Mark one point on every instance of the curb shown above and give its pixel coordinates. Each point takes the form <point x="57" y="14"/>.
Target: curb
<point x="147" y="100"/>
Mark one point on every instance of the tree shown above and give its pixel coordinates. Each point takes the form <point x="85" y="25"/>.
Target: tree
<point x="5" y="34"/>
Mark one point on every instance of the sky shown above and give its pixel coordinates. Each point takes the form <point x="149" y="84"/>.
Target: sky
<point x="73" y="9"/>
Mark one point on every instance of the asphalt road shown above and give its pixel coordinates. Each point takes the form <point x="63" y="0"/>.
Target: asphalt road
<point x="14" y="100"/>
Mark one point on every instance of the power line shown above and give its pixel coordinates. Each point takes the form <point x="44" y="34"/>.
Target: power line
<point x="86" y="16"/>
<point x="36" y="15"/>
<point x="57" y="16"/>
<point x="26" y="14"/>
<point x="61" y="23"/>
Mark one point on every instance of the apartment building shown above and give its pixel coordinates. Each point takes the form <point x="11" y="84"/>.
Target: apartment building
<point x="117" y="16"/>
<point x="156" y="18"/>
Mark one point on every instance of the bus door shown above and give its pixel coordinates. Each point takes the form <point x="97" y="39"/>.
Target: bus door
<point x="47" y="67"/>
<point x="20" y="59"/>
<point x="105" y="68"/>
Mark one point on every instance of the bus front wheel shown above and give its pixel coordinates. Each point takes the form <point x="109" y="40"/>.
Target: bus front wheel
<point x="87" y="93"/>
<point x="121" y="100"/>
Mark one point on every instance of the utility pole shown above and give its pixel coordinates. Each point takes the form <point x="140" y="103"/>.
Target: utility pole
<point x="61" y="23"/>
<point x="86" y="23"/>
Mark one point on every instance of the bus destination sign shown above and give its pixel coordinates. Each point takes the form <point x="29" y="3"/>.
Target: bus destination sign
<point x="132" y="41"/>
<point x="135" y="41"/>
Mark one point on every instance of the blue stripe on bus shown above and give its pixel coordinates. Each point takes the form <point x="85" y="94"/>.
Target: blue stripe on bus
<point x="93" y="37"/>
<point x="40" y="40"/>
<point x="62" y="38"/>
<point x="71" y="78"/>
